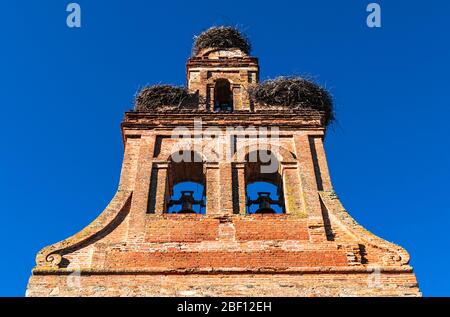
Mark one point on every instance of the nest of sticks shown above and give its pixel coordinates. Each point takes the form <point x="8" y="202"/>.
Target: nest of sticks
<point x="165" y="97"/>
<point x="221" y="37"/>
<point x="294" y="93"/>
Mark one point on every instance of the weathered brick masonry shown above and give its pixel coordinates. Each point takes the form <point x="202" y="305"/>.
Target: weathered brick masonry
<point x="135" y="248"/>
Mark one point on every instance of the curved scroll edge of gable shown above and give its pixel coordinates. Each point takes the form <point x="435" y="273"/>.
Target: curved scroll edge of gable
<point x="51" y="256"/>
<point x="337" y="210"/>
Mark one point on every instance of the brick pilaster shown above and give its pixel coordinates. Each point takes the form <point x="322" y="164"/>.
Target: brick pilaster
<point x="311" y="200"/>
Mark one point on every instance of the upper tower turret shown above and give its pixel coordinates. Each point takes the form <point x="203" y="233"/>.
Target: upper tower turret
<point x="221" y="70"/>
<point x="222" y="78"/>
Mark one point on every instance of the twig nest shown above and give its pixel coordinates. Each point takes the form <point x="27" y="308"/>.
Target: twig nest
<point x="159" y="97"/>
<point x="294" y="93"/>
<point x="221" y="37"/>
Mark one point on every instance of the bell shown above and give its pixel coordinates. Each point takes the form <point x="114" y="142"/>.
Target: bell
<point x="186" y="201"/>
<point x="264" y="204"/>
<point x="223" y="107"/>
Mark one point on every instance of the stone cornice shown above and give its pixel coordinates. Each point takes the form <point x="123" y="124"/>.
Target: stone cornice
<point x="280" y="119"/>
<point x="291" y="270"/>
<point x="245" y="61"/>
<point x="283" y="121"/>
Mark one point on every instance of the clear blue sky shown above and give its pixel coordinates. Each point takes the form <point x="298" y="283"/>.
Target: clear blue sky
<point x="63" y="93"/>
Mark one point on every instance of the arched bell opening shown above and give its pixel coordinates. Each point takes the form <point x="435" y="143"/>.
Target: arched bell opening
<point x="264" y="190"/>
<point x="263" y="198"/>
<point x="187" y="198"/>
<point x="223" y="96"/>
<point x="186" y="184"/>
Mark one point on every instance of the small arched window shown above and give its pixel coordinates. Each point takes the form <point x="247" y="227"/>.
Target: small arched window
<point x="223" y="96"/>
<point x="186" y="184"/>
<point x="264" y="190"/>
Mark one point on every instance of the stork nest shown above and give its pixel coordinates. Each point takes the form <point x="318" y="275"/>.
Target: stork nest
<point x="295" y="93"/>
<point x="165" y="97"/>
<point x="221" y="37"/>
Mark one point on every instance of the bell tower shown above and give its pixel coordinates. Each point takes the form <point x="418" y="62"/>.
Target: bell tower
<point x="225" y="191"/>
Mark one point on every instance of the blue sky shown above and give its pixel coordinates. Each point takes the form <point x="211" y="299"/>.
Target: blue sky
<point x="63" y="94"/>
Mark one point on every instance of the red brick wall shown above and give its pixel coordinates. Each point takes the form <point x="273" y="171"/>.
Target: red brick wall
<point x="271" y="228"/>
<point x="188" y="229"/>
<point x="205" y="259"/>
